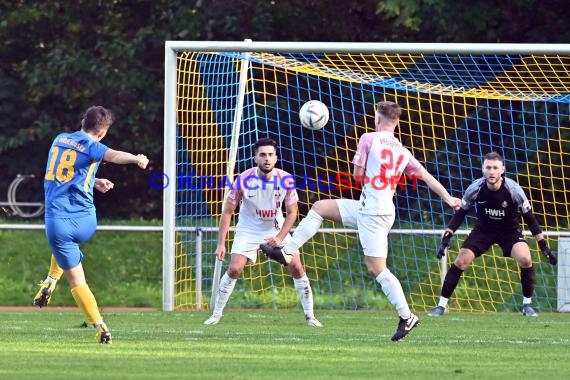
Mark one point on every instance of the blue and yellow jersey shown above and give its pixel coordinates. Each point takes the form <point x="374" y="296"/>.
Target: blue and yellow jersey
<point x="70" y="175"/>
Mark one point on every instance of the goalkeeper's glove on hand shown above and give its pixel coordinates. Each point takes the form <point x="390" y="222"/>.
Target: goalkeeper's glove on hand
<point x="548" y="254"/>
<point x="444" y="245"/>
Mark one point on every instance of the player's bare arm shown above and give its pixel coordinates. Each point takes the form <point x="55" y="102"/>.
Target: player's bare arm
<point x="438" y="188"/>
<point x="358" y="173"/>
<point x="123" y="158"/>
<point x="292" y="211"/>
<point x="225" y="220"/>
<point x="103" y="185"/>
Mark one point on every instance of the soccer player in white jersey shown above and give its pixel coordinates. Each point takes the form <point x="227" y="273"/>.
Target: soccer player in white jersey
<point x="260" y="191"/>
<point x="500" y="202"/>
<point x="379" y="162"/>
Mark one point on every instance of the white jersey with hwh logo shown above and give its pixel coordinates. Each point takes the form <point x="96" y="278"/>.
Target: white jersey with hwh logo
<point x="385" y="160"/>
<point x="261" y="199"/>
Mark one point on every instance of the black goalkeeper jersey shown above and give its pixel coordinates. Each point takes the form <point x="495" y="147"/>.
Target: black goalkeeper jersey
<point x="497" y="211"/>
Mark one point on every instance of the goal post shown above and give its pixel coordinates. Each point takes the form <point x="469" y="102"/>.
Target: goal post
<point x="564" y="275"/>
<point x="169" y="192"/>
<point x="459" y="101"/>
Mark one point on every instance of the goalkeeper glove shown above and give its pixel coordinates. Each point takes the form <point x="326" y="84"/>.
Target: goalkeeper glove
<point x="444" y="245"/>
<point x="547" y="252"/>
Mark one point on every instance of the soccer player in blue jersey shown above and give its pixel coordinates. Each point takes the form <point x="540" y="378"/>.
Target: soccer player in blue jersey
<point x="499" y="202"/>
<point x="70" y="217"/>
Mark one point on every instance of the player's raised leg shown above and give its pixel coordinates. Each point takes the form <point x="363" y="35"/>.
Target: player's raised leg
<point x="330" y="209"/>
<point x="306" y="229"/>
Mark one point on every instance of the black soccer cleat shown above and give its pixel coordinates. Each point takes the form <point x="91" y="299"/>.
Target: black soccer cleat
<point x="43" y="296"/>
<point x="103" y="335"/>
<point x="276" y="254"/>
<point x="405" y="326"/>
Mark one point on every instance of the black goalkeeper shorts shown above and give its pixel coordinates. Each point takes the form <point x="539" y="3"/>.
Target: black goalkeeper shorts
<point x="479" y="241"/>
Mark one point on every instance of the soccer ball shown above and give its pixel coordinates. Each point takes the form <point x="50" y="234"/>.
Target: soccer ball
<point x="314" y="115"/>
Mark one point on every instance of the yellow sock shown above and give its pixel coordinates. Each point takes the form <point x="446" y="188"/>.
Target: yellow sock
<point x="86" y="301"/>
<point x="55" y="270"/>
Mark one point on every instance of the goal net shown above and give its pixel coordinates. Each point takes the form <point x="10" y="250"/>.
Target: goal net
<point x="459" y="102"/>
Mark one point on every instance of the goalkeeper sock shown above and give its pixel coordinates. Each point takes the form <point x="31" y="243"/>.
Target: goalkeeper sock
<point x="225" y="290"/>
<point x="527" y="281"/>
<point x="443" y="302"/>
<point x="451" y="280"/>
<point x="86" y="302"/>
<point x="527" y="300"/>
<point x="55" y="271"/>
<point x="393" y="290"/>
<point x="306" y="229"/>
<point x="303" y="287"/>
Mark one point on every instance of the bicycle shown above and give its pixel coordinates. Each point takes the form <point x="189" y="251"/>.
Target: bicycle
<point x="22" y="209"/>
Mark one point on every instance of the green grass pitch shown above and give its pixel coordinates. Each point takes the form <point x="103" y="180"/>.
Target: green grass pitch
<point x="260" y="344"/>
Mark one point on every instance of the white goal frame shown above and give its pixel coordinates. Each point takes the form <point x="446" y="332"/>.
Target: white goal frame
<point x="563" y="288"/>
<point x="173" y="47"/>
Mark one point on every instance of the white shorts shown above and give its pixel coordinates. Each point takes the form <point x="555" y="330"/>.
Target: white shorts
<point x="246" y="243"/>
<point x="348" y="209"/>
<point x="373" y="233"/>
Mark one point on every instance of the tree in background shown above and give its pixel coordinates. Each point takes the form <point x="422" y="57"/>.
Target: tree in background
<point x="58" y="58"/>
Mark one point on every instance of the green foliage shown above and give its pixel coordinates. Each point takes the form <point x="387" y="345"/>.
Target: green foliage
<point x="58" y="58"/>
<point x="278" y="345"/>
<point x="122" y="268"/>
<point x="513" y="21"/>
<point x="125" y="269"/>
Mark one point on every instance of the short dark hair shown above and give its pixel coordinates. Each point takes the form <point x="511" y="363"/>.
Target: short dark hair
<point x="264" y="142"/>
<point x="97" y="118"/>
<point x="493" y="156"/>
<point x="389" y="110"/>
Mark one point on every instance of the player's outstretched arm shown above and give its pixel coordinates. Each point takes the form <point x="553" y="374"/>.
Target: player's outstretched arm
<point x="438" y="188"/>
<point x="123" y="158"/>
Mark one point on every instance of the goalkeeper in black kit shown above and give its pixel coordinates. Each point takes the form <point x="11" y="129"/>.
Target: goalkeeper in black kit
<point x="499" y="202"/>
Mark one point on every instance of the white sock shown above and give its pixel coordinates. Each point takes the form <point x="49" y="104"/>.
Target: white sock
<point x="50" y="279"/>
<point x="306" y="229"/>
<point x="303" y="287"/>
<point x="225" y="290"/>
<point x="443" y="302"/>
<point x="393" y="290"/>
<point x="527" y="300"/>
